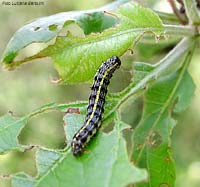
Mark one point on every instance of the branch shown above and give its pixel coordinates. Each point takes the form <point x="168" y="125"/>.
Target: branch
<point x="168" y="64"/>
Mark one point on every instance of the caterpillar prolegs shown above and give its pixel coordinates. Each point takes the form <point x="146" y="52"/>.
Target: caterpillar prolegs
<point x="95" y="107"/>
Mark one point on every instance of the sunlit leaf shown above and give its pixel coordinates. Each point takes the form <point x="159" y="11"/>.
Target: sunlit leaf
<point x="114" y="34"/>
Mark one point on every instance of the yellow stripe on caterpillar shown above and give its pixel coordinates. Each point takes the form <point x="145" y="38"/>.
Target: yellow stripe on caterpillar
<point x="96" y="105"/>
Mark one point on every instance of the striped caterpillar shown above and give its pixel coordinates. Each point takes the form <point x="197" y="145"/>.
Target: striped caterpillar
<point x="95" y="108"/>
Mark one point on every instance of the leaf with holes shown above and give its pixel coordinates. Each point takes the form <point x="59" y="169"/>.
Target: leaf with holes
<point x="77" y="53"/>
<point x="152" y="146"/>
<point x="45" y="29"/>
<point x="100" y="165"/>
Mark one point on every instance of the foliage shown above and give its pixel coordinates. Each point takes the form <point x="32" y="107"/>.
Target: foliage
<point x="78" y="42"/>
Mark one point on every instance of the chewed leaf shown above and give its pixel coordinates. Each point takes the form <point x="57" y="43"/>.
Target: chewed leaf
<point x="101" y="34"/>
<point x="152" y="146"/>
<point x="99" y="166"/>
<point x="74" y="56"/>
<point x="45" y="29"/>
<point x="10" y="128"/>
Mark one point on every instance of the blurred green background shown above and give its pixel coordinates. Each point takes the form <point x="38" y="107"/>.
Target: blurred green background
<point x="30" y="86"/>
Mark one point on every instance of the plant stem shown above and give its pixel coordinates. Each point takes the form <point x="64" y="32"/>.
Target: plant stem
<point x="169" y="63"/>
<point x="192" y="11"/>
<point x="179" y="30"/>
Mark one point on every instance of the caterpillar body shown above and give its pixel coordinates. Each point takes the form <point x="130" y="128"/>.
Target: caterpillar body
<point x="95" y="108"/>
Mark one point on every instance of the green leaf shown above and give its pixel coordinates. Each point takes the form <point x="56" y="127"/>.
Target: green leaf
<point x="96" y="22"/>
<point x="10" y="128"/>
<point x="74" y="54"/>
<point x="45" y="160"/>
<point x="141" y="70"/>
<point x="100" y="165"/>
<point x="45" y="29"/>
<point x="22" y="180"/>
<point x="72" y="123"/>
<point x="152" y="145"/>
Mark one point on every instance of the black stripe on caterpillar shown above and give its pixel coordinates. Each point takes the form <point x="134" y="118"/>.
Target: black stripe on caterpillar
<point x="95" y="108"/>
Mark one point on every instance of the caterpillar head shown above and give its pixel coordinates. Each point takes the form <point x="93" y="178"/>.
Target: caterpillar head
<point x="114" y="60"/>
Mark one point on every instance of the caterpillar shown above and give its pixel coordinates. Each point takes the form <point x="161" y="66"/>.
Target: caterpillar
<point x="95" y="107"/>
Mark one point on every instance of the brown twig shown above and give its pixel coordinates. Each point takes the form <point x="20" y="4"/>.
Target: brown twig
<point x="179" y="13"/>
